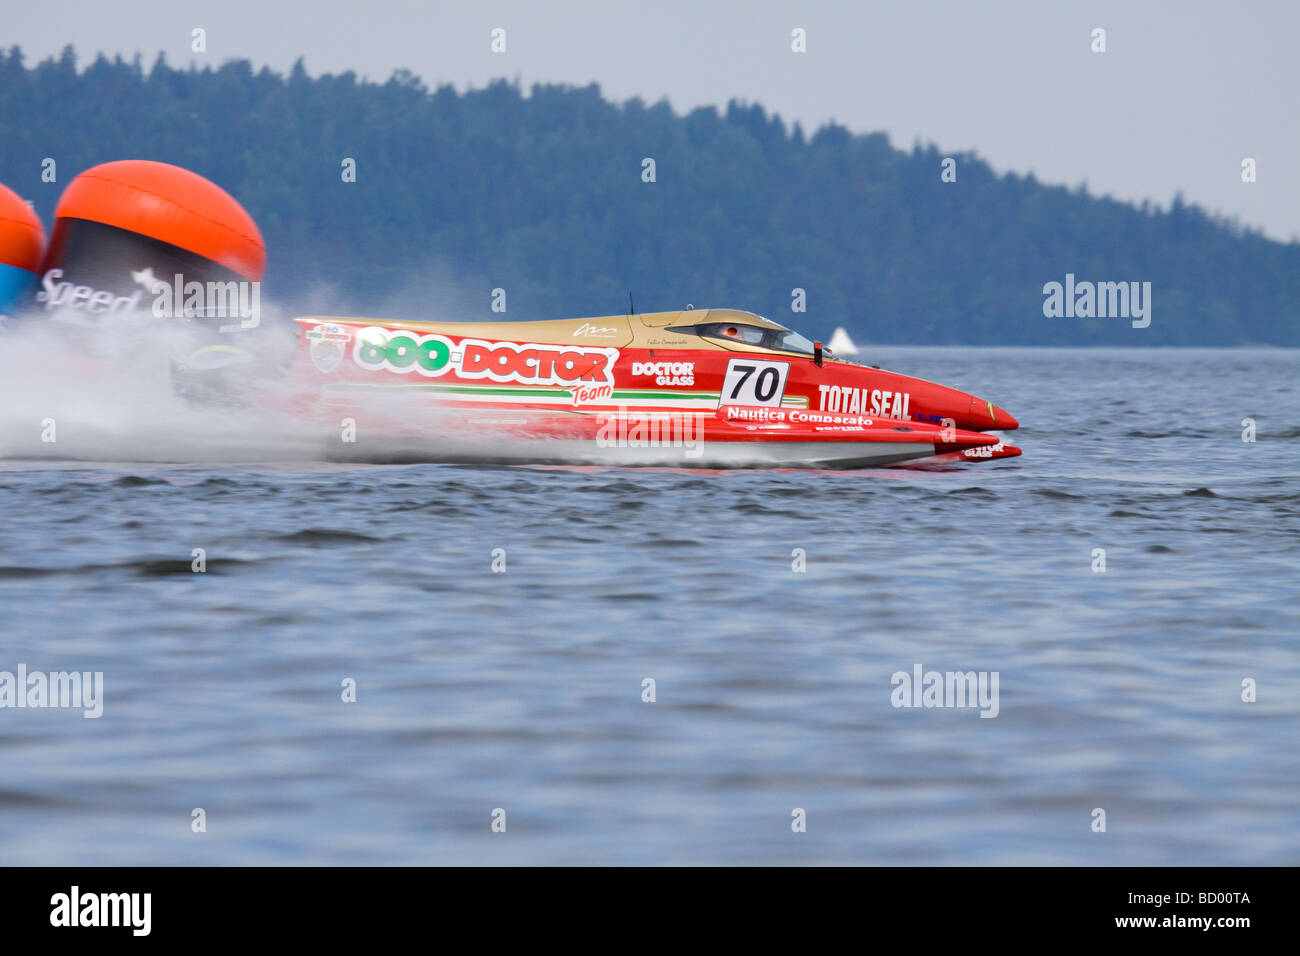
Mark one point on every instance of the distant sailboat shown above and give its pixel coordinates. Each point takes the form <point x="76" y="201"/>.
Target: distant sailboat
<point x="841" y="345"/>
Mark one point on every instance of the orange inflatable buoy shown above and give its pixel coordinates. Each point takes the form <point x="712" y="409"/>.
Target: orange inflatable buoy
<point x="22" y="244"/>
<point x="128" y="233"/>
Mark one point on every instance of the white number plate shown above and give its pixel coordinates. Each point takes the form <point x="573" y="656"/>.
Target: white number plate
<point x="753" y="382"/>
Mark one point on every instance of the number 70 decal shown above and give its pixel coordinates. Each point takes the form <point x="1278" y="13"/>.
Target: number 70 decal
<point x="752" y="382"/>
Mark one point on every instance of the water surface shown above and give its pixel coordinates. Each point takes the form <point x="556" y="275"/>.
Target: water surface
<point x="522" y="690"/>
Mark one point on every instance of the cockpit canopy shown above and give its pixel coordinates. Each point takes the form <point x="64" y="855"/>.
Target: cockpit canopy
<point x="745" y="329"/>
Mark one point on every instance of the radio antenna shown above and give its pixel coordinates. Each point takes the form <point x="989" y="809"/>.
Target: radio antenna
<point x="631" y="308"/>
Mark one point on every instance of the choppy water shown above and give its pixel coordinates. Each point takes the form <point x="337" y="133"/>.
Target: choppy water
<point x="523" y="690"/>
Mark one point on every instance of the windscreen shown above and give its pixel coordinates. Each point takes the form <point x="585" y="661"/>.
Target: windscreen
<point x="781" y="340"/>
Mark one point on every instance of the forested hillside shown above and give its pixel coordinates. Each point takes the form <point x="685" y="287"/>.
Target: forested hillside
<point x="540" y="192"/>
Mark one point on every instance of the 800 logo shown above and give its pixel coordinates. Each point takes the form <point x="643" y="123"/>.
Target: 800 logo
<point x="402" y="351"/>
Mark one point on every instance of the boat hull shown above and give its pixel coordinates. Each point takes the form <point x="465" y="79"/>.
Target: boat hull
<point x="569" y="379"/>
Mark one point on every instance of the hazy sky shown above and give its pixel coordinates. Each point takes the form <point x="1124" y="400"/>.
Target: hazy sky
<point x="1184" y="92"/>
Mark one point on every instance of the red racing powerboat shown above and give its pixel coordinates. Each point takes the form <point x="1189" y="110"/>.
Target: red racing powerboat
<point x="709" y="387"/>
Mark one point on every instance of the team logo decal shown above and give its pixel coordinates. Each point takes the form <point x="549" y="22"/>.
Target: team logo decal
<point x="587" y="372"/>
<point x="837" y="398"/>
<point x="667" y="373"/>
<point x="599" y="331"/>
<point x="328" y="345"/>
<point x="983" y="451"/>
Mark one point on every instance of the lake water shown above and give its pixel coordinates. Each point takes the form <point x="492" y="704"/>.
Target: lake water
<point x="523" y="690"/>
